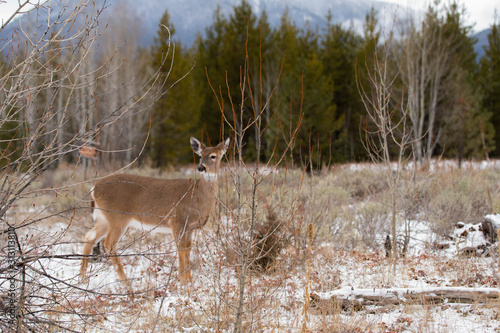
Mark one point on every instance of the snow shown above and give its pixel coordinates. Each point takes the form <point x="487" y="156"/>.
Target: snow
<point x="468" y="235"/>
<point x="434" y="165"/>
<point x="494" y="219"/>
<point x="274" y="300"/>
<point x="398" y="293"/>
<point x="365" y="274"/>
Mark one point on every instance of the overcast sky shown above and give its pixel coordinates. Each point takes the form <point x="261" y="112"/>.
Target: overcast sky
<point x="481" y="12"/>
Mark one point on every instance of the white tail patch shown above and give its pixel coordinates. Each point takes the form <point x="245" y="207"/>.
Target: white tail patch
<point x="149" y="228"/>
<point x="90" y="236"/>
<point x="97" y="214"/>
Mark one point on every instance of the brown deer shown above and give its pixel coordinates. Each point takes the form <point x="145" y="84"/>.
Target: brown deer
<point x="178" y="205"/>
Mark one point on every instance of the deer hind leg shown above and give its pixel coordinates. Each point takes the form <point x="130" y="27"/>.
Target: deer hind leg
<point x="110" y="244"/>
<point x="93" y="236"/>
<point x="183" y="240"/>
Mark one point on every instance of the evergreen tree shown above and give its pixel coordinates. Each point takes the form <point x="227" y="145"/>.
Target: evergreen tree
<point x="490" y="81"/>
<point x="210" y="53"/>
<point x="223" y="54"/>
<point x="175" y="115"/>
<point x="469" y="125"/>
<point x="242" y="35"/>
<point x="338" y="53"/>
<point x="264" y="78"/>
<point x="319" y="110"/>
<point x="286" y="50"/>
<point x="466" y="124"/>
<point x="369" y="48"/>
<point x="368" y="57"/>
<point x="11" y="137"/>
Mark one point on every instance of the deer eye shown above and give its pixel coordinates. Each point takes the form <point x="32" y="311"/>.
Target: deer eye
<point x="213" y="157"/>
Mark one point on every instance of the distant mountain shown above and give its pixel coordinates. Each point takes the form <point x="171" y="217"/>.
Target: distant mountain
<point x="194" y="16"/>
<point x="482" y="41"/>
<point x="191" y="17"/>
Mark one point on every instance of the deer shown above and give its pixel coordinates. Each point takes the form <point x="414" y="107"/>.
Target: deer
<point x="177" y="206"/>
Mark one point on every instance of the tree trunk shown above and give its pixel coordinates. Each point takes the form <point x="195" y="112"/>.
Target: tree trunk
<point x="357" y="299"/>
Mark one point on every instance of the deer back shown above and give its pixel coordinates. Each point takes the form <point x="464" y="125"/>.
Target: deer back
<point x="155" y="201"/>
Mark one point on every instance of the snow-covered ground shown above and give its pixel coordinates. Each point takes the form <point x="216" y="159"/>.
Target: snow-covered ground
<point x="275" y="302"/>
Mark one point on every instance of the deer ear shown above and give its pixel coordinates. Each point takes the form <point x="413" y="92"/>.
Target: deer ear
<point x="196" y="145"/>
<point x="223" y="147"/>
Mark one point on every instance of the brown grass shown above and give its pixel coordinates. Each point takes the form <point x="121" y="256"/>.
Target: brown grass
<point x="348" y="210"/>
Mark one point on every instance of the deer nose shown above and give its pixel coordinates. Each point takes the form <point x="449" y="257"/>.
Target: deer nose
<point x="201" y="168"/>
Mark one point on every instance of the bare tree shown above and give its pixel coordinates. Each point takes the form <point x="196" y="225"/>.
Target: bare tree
<point x="386" y="135"/>
<point x="121" y="56"/>
<point x="257" y="230"/>
<point x="424" y="70"/>
<point x="50" y="94"/>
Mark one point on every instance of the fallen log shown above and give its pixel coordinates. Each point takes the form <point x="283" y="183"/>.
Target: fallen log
<point x="358" y="299"/>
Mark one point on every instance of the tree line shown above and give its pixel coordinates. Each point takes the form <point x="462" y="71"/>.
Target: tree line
<point x="451" y="98"/>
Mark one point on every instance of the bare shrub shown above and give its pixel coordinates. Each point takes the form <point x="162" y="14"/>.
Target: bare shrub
<point x="415" y="194"/>
<point x="361" y="184"/>
<point x="334" y="204"/>
<point x="51" y="89"/>
<point x="322" y="204"/>
<point x="269" y="239"/>
<point x="372" y="220"/>
<point x="247" y="190"/>
<point x="458" y="197"/>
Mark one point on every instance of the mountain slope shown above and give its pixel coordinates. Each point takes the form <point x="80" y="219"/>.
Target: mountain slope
<point x="190" y="18"/>
<point x="194" y="16"/>
<point x="482" y="41"/>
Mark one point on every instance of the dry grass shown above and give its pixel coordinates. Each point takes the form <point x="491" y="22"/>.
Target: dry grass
<point x="461" y="195"/>
<point x="349" y="212"/>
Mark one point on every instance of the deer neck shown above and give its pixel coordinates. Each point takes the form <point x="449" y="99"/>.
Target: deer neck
<point x="210" y="177"/>
<point x="210" y="181"/>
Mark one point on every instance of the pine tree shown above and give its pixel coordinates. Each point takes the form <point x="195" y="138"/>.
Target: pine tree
<point x="338" y="53"/>
<point x="490" y="81"/>
<point x="468" y="131"/>
<point x="319" y="111"/>
<point x="11" y="137"/>
<point x="368" y="56"/>
<point x="175" y="115"/>
<point x="286" y="50"/>
<point x="242" y="36"/>
<point x="223" y="55"/>
<point x="209" y="61"/>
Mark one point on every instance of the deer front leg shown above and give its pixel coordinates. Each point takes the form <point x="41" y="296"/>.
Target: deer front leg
<point x="94" y="235"/>
<point x="183" y="240"/>
<point x="110" y="244"/>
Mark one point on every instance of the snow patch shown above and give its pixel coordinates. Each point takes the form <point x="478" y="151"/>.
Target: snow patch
<point x="469" y="235"/>
<point x="494" y="219"/>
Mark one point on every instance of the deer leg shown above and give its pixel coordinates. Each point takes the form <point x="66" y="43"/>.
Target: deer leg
<point x="93" y="236"/>
<point x="183" y="240"/>
<point x="110" y="244"/>
<point x="97" y="251"/>
<point x="184" y="249"/>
